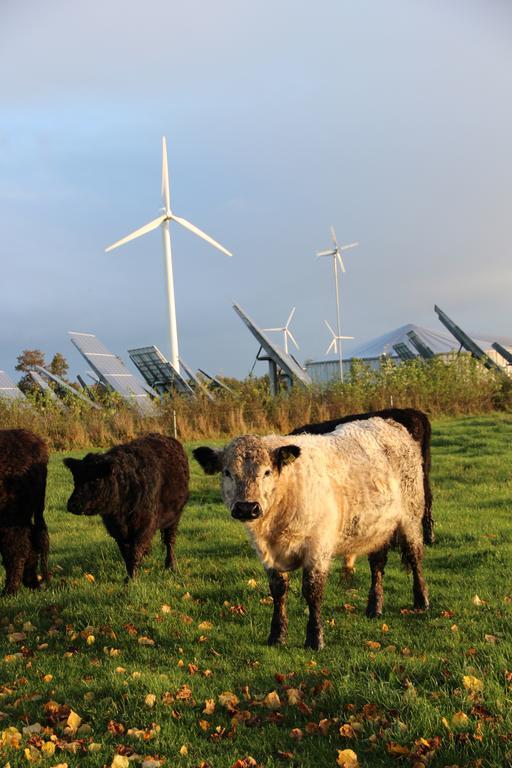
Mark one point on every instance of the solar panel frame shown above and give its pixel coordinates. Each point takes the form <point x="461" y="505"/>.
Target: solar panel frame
<point x="43" y="386"/>
<point x="501" y="350"/>
<point x="279" y="357"/>
<point x="157" y="371"/>
<point x="215" y="381"/>
<point x="112" y="372"/>
<point x="61" y="383"/>
<point x="467" y="342"/>
<point x="423" y="348"/>
<point x="404" y="353"/>
<point x="8" y="389"/>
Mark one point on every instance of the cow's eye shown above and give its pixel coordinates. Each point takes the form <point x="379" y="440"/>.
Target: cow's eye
<point x="267" y="473"/>
<point x="226" y="473"/>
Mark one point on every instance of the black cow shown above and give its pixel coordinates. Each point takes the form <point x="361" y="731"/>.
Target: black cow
<point x="137" y="488"/>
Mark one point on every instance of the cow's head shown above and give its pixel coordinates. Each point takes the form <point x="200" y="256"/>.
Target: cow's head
<point x="250" y="473"/>
<point x="92" y="484"/>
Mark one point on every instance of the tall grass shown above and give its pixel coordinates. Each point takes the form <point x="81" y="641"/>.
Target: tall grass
<point x="460" y="386"/>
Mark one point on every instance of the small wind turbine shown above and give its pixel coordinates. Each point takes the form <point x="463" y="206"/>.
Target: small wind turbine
<point x="286" y="331"/>
<point x="163" y="221"/>
<point x="335" y="253"/>
<point x="335" y="338"/>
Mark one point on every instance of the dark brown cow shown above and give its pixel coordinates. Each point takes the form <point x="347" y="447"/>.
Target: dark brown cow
<point x="23" y="532"/>
<point x="137" y="488"/>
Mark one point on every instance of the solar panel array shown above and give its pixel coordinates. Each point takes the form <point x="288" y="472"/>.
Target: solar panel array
<point x="8" y="389"/>
<point x="112" y="372"/>
<point x="278" y="356"/>
<point x="157" y="371"/>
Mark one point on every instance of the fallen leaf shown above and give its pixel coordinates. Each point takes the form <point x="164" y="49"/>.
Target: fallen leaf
<point x="472" y="684"/>
<point x="459" y="719"/>
<point x="73" y="720"/>
<point x="272" y="700"/>
<point x="347" y="758"/>
<point x="150" y="700"/>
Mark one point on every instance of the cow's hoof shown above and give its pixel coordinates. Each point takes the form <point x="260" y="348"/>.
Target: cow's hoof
<point x="314" y="643"/>
<point x="276" y="640"/>
<point x="422" y="605"/>
<point x="373" y="613"/>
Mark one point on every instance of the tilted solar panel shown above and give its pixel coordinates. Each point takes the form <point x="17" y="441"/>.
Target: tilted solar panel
<point x="8" y="388"/>
<point x="112" y="372"/>
<point x="157" y="371"/>
<point x="42" y="385"/>
<point x="284" y="361"/>
<point x="64" y="385"/>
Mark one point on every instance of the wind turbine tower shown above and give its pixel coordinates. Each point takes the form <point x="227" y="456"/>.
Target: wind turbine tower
<point x="163" y="221"/>
<point x="335" y="253"/>
<point x="286" y="332"/>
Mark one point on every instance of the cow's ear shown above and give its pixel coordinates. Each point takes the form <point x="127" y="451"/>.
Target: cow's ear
<point x="72" y="464"/>
<point x="286" y="454"/>
<point x="100" y="469"/>
<point x="208" y="458"/>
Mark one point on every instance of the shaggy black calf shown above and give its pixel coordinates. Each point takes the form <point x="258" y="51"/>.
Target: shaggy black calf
<point x="23" y="532"/>
<point x="137" y="488"/>
<point x="416" y="423"/>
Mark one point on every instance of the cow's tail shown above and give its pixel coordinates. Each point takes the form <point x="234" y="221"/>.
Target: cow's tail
<point x="40" y="537"/>
<point x="427" y="520"/>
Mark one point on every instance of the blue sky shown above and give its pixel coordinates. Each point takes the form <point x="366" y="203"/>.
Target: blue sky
<point x="391" y="121"/>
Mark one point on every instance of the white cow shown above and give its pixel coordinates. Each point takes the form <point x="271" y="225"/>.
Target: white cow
<point x="308" y="498"/>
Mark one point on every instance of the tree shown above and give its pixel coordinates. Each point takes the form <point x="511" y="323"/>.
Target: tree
<point x="59" y="365"/>
<point x="29" y="358"/>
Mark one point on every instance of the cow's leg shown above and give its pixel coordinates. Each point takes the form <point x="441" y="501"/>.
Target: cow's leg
<point x="169" y="538"/>
<point x="349" y="567"/>
<point x="278" y="583"/>
<point x="313" y="582"/>
<point x="30" y="570"/>
<point x="377" y="562"/>
<point x="133" y="550"/>
<point x="15" y="549"/>
<point x="414" y="557"/>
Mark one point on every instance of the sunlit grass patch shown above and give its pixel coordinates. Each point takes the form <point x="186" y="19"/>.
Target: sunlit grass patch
<point x="177" y="668"/>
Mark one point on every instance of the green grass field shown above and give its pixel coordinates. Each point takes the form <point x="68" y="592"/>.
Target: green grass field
<point x="145" y="667"/>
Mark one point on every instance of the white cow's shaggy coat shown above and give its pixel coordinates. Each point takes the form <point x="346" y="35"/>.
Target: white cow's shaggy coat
<point x="346" y="493"/>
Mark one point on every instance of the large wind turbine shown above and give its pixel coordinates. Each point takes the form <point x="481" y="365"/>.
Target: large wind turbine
<point x="286" y="331"/>
<point x="335" y="252"/>
<point x="163" y="221"/>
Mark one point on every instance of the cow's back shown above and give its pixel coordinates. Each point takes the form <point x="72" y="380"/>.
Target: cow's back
<point x="153" y="472"/>
<point x="354" y="485"/>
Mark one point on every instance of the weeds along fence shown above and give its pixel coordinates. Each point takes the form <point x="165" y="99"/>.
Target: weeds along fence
<point x="438" y="387"/>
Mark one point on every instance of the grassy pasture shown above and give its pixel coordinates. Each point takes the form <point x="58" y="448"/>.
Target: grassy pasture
<point x="387" y="687"/>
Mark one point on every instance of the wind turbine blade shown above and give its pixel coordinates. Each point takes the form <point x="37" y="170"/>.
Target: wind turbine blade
<point x="333" y="235"/>
<point x="344" y="337"/>
<point x="290" y="317"/>
<point x="329" y="327"/>
<point x="340" y="260"/>
<point x="350" y="245"/>
<point x="326" y="253"/>
<point x="138" y="232"/>
<point x="165" y="176"/>
<point x="292" y="337"/>
<point x="331" y="345"/>
<point x="200" y="233"/>
<point x="273" y="329"/>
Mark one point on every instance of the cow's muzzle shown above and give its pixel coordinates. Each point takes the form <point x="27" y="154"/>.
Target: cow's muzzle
<point x="246" y="510"/>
